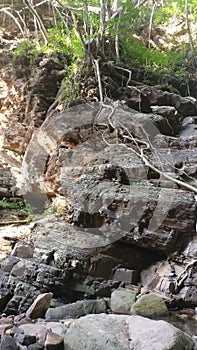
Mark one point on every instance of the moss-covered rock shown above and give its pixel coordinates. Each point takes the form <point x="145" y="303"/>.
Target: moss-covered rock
<point x="149" y="305"/>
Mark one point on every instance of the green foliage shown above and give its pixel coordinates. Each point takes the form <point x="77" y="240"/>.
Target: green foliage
<point x="62" y="42"/>
<point x="176" y="9"/>
<point x="19" y="206"/>
<point x="51" y="212"/>
<point x="133" y="17"/>
<point x="26" y="49"/>
<point x="134" y="51"/>
<point x="71" y="83"/>
<point x="6" y="204"/>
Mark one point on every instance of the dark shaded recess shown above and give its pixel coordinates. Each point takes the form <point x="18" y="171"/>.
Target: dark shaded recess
<point x="184" y="86"/>
<point x="6" y="296"/>
<point x="116" y="173"/>
<point x="181" y="243"/>
<point x="132" y="257"/>
<point x="152" y="174"/>
<point x="192" y="87"/>
<point x="87" y="220"/>
<point x="13" y="305"/>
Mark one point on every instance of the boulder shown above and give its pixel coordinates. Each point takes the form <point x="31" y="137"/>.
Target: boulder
<point x="121" y="332"/>
<point x="189" y="128"/>
<point x="39" y="306"/>
<point x="149" y="305"/>
<point x="74" y="310"/>
<point x="122" y="300"/>
<point x="126" y="275"/>
<point x="153" y="335"/>
<point x="23" y="249"/>
<point x="8" y="343"/>
<point x="54" y="342"/>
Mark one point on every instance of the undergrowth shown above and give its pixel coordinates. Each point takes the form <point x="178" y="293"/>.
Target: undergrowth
<point x="134" y="51"/>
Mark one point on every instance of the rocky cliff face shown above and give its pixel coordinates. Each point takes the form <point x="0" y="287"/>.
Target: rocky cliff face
<point x="120" y="222"/>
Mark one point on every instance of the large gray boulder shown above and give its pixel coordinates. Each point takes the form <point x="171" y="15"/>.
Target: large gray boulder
<point x="121" y="332"/>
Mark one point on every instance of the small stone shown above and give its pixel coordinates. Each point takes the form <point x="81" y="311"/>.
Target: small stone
<point x="4" y="329"/>
<point x="18" y="269"/>
<point x="6" y="320"/>
<point x="39" y="306"/>
<point x="57" y="328"/>
<point x="122" y="300"/>
<point x="54" y="342"/>
<point x="41" y="335"/>
<point x="22" y="347"/>
<point x="35" y="347"/>
<point x="19" y="318"/>
<point x="8" y="343"/>
<point x="8" y="263"/>
<point x="23" y="249"/>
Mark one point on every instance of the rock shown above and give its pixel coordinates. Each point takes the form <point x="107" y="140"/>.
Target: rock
<point x="39" y="306"/>
<point x="13" y="305"/>
<point x="148" y="96"/>
<point x="8" y="263"/>
<point x="164" y="277"/>
<point x="18" y="269"/>
<point x="23" y="249"/>
<point x="25" y="339"/>
<point x="40" y="328"/>
<point x="8" y="343"/>
<point x="22" y="347"/>
<point x="57" y="328"/>
<point x="108" y="174"/>
<point x="194" y="338"/>
<point x="5" y="296"/>
<point x="122" y="300"/>
<point x="106" y="332"/>
<point x="7" y="182"/>
<point x="149" y="305"/>
<point x="5" y="328"/>
<point x="121" y="332"/>
<point x="148" y="334"/>
<point x="189" y="128"/>
<point x="126" y="275"/>
<point x="35" y="347"/>
<point x="54" y="342"/>
<point x="74" y="310"/>
<point x="41" y="333"/>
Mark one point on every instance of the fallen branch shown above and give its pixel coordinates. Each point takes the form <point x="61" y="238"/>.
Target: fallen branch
<point x="20" y="222"/>
<point x="98" y="73"/>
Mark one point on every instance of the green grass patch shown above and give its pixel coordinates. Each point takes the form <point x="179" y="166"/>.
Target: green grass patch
<point x="134" y="51"/>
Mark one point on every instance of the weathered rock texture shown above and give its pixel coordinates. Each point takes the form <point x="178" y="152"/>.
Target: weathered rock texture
<point x="120" y="223"/>
<point x="109" y="332"/>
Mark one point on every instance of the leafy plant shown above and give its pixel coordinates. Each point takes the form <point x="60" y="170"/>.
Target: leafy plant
<point x="27" y="50"/>
<point x="20" y="206"/>
<point x="61" y="41"/>
<point x="135" y="51"/>
<point x="71" y="83"/>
